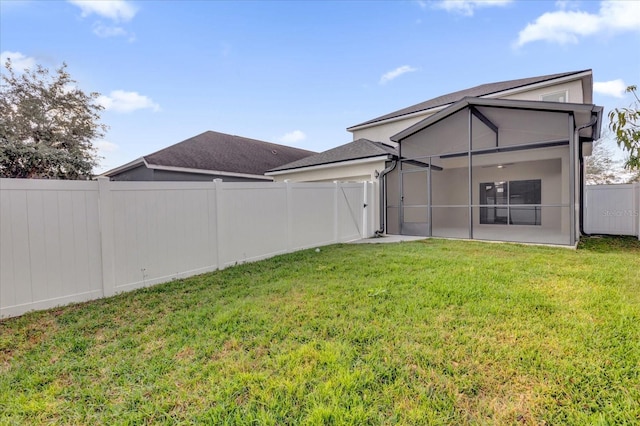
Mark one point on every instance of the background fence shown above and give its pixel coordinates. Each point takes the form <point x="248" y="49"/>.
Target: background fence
<point x="613" y="209"/>
<point x="65" y="241"/>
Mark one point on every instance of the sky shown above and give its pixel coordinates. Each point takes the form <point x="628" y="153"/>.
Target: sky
<point x="299" y="73"/>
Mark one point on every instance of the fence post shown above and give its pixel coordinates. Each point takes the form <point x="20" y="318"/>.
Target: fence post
<point x="365" y="211"/>
<point x="637" y="206"/>
<point x="336" y="212"/>
<point x="289" y="206"/>
<point x="106" y="237"/>
<point x="219" y="224"/>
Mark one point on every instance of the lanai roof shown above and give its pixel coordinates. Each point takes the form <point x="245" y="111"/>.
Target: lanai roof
<point x="356" y="150"/>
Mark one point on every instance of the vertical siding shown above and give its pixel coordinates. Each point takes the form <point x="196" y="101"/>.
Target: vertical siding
<point x="612" y="209"/>
<point x="350" y="204"/>
<point x="162" y="231"/>
<point x="312" y="214"/>
<point x="49" y="245"/>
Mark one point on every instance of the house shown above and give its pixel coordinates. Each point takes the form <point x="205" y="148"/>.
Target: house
<point x="357" y="161"/>
<point x="207" y="156"/>
<point x="500" y="161"/>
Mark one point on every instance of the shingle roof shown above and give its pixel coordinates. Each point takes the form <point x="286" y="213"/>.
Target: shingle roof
<point x="359" y="149"/>
<point x="227" y="153"/>
<point x="477" y="91"/>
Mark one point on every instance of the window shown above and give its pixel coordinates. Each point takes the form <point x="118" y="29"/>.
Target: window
<point x="562" y="96"/>
<point x="515" y="203"/>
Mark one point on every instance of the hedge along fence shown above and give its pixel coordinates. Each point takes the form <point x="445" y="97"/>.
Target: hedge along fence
<point x="72" y="241"/>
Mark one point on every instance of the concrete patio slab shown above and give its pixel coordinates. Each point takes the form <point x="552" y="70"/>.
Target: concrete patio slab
<point x="388" y="239"/>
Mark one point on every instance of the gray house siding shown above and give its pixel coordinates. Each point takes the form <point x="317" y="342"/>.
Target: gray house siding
<point x="163" y="175"/>
<point x="139" y="173"/>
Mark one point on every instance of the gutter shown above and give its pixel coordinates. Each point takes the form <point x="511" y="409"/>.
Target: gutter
<point x="382" y="184"/>
<point x="592" y="123"/>
<point x="207" y="172"/>
<point x="337" y="163"/>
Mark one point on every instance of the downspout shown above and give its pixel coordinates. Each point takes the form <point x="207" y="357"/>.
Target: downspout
<point x="382" y="184"/>
<point x="592" y="123"/>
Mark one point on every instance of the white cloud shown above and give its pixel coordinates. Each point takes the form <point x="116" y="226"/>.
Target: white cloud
<point x="116" y="10"/>
<point x="467" y="7"/>
<point x="293" y="137"/>
<point x="106" y="146"/>
<point x="567" y="4"/>
<point x="620" y="15"/>
<point x="615" y="88"/>
<point x="105" y="31"/>
<point x="121" y="101"/>
<point x="561" y="27"/>
<point x="567" y="26"/>
<point x="387" y="77"/>
<point x="19" y="62"/>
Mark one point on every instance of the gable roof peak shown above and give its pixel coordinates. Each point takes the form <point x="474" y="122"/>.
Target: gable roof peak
<point x="476" y="91"/>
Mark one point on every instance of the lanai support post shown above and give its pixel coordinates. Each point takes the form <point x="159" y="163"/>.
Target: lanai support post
<point x="470" y="134"/>
<point x="572" y="180"/>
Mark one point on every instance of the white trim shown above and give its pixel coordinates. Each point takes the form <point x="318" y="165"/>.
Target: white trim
<point x="124" y="167"/>
<point x="207" y="172"/>
<point x="141" y="160"/>
<point x="329" y="165"/>
<point x="429" y="111"/>
<point x="508" y="92"/>
<point x="539" y="85"/>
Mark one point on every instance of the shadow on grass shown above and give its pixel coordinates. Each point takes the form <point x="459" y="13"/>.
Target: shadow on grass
<point x="610" y="244"/>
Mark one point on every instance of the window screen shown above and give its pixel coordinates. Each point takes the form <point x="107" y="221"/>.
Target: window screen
<point x="515" y="203"/>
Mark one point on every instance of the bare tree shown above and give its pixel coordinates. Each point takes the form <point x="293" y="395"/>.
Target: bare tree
<point x="601" y="167"/>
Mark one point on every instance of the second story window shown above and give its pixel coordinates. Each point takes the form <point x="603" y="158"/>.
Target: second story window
<point x="562" y="96"/>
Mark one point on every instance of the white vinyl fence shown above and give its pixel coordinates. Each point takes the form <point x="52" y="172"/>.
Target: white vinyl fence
<point x="65" y="241"/>
<point x="613" y="209"/>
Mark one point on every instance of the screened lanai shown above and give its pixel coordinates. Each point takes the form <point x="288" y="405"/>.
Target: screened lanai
<point x="493" y="169"/>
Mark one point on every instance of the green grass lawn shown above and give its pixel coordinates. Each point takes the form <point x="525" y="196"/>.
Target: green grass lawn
<point x="429" y="332"/>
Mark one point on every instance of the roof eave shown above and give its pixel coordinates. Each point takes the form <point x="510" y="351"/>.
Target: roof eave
<point x="208" y="172"/>
<point x="125" y="167"/>
<point x="331" y="164"/>
<point x="586" y="74"/>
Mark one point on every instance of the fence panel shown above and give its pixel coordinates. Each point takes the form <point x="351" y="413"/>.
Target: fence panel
<point x="255" y="221"/>
<point x="612" y="209"/>
<point x="350" y="205"/>
<point x="49" y="244"/>
<point x="162" y="231"/>
<point x="313" y="214"/>
<point x="63" y="241"/>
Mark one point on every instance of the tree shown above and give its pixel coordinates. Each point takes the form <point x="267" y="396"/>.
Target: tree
<point x="635" y="177"/>
<point x="601" y="168"/>
<point x="47" y="125"/>
<point x="625" y="124"/>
